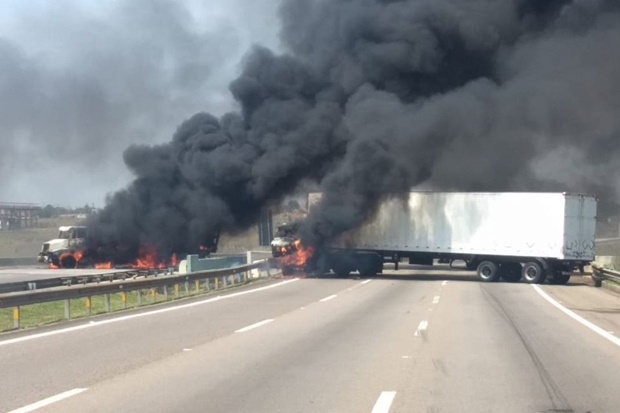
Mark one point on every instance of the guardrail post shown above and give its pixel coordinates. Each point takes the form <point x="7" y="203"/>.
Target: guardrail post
<point x="232" y="279"/>
<point x="176" y="290"/>
<point x="67" y="309"/>
<point x="186" y="287"/>
<point x="139" y="297"/>
<point x="124" y="300"/>
<point x="197" y="286"/>
<point x="88" y="304"/>
<point x="16" y="317"/>
<point x="217" y="282"/>
<point x="165" y="293"/>
<point x="106" y="298"/>
<point x="208" y="285"/>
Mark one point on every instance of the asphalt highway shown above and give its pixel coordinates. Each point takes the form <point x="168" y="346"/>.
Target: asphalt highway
<point x="430" y="340"/>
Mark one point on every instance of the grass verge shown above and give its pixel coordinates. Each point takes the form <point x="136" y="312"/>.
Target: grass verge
<point x="54" y="312"/>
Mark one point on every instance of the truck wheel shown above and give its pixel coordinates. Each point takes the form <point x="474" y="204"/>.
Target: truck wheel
<point x="369" y="265"/>
<point x="559" y="279"/>
<point x="488" y="271"/>
<point x="68" y="261"/>
<point x="286" y="270"/>
<point x="533" y="273"/>
<point x="367" y="271"/>
<point x="510" y="272"/>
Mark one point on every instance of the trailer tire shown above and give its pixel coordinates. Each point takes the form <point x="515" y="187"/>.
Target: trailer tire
<point x="369" y="265"/>
<point x="488" y="271"/>
<point x="511" y="272"/>
<point x="533" y="273"/>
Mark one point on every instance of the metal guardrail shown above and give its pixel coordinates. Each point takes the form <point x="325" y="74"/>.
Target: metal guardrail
<point x="114" y="285"/>
<point x="600" y="274"/>
<point x="69" y="280"/>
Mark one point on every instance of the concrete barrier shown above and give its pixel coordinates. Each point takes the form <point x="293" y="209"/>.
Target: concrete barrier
<point x="219" y="262"/>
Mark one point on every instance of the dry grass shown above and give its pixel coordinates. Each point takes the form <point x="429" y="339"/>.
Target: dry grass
<point x="22" y="243"/>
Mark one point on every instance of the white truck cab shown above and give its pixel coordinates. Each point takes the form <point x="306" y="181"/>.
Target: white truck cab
<point x="70" y="238"/>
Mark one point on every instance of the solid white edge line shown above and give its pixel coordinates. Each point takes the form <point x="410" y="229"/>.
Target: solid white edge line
<point x="577" y="317"/>
<point x="331" y="297"/>
<point x="435" y="299"/>
<point x="421" y="327"/>
<point x="365" y="282"/>
<point x="46" y="402"/>
<point x="143" y="314"/>
<point x="253" y="326"/>
<point x="384" y="402"/>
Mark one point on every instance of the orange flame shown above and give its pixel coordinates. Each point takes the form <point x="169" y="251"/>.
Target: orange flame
<point x="299" y="257"/>
<point x="149" y="260"/>
<point x="104" y="266"/>
<point x="77" y="256"/>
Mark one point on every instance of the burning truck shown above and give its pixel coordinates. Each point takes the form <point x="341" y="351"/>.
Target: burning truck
<point x="73" y="249"/>
<point x="66" y="250"/>
<point x="513" y="236"/>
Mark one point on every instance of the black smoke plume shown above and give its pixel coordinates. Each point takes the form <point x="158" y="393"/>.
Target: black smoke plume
<point x="379" y="97"/>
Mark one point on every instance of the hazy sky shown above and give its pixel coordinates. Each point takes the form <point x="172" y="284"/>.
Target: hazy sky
<point x="80" y="80"/>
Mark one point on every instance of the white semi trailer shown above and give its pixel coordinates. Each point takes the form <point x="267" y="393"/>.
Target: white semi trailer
<point x="512" y="236"/>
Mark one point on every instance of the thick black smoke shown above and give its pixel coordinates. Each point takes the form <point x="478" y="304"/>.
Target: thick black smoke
<point x="379" y="97"/>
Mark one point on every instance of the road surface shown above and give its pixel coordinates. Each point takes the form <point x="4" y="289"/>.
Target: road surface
<point x="429" y="341"/>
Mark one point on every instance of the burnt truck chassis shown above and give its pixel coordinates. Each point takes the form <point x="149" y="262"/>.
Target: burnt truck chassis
<point x="489" y="268"/>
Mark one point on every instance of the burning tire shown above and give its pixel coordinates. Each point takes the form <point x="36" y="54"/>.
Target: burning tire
<point x="67" y="260"/>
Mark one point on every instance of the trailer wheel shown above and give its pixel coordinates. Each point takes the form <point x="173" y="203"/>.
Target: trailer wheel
<point x="488" y="271"/>
<point x="511" y="272"/>
<point x="368" y="264"/>
<point x="533" y="273"/>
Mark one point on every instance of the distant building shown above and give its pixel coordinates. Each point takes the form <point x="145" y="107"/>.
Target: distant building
<point x="18" y="215"/>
